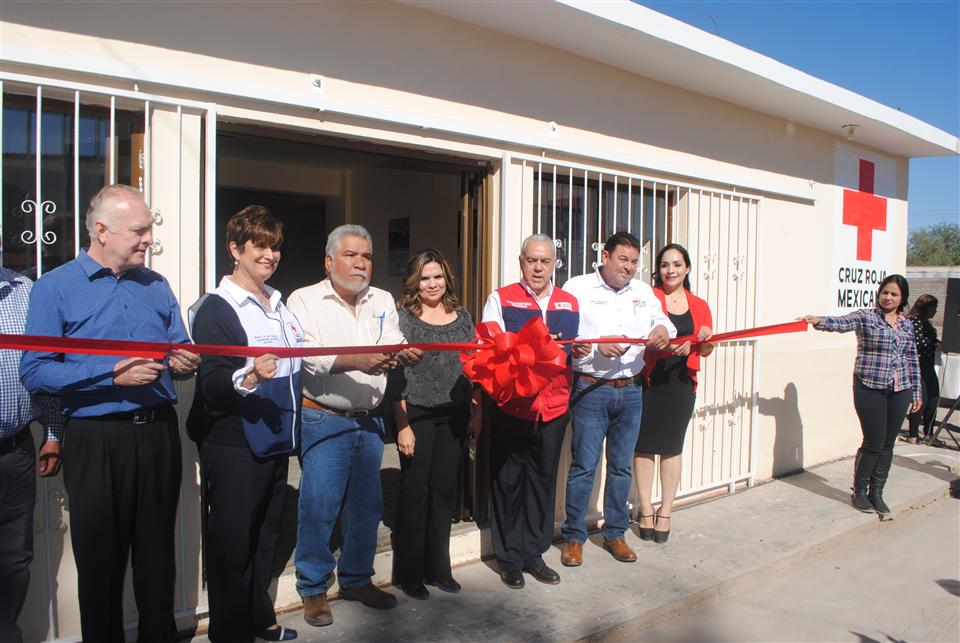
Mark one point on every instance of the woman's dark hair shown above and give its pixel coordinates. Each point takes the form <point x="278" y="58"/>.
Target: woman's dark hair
<point x="657" y="281"/>
<point x="925" y="307"/>
<point x="901" y="284"/>
<point x="410" y="297"/>
<point x="257" y="224"/>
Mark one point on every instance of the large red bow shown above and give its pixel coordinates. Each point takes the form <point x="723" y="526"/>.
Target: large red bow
<point x="509" y="365"/>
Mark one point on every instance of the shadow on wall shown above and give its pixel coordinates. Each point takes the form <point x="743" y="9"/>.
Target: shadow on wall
<point x="788" y="446"/>
<point x="788" y="430"/>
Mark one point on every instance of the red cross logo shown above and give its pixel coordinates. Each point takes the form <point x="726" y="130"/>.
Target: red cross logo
<point x="865" y="211"/>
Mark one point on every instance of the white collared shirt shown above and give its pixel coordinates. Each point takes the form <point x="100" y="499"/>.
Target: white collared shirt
<point x="632" y="311"/>
<point x="328" y="321"/>
<point x="273" y="326"/>
<point x="493" y="309"/>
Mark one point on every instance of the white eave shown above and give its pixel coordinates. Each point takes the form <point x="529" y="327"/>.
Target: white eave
<point x="641" y="41"/>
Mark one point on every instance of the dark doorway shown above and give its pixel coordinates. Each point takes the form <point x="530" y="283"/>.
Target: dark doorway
<point x="304" y="233"/>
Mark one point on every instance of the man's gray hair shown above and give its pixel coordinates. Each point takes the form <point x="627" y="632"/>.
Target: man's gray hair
<point x="347" y="229"/>
<point x="538" y="238"/>
<point x="101" y="205"/>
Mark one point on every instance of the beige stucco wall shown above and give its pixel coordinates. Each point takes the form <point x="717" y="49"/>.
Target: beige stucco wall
<point x="408" y="61"/>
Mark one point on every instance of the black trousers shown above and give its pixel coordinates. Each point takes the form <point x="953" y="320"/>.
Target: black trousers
<point x="881" y="414"/>
<point x="123" y="484"/>
<point x="18" y="491"/>
<point x="428" y="484"/>
<point x="524" y="456"/>
<point x="931" y="392"/>
<point x="245" y="497"/>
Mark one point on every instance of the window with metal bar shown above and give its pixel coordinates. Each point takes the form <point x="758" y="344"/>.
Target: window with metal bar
<point x="56" y="159"/>
<point x="581" y="209"/>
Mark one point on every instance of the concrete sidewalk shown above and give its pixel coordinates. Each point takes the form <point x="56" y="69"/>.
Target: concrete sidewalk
<point x="715" y="548"/>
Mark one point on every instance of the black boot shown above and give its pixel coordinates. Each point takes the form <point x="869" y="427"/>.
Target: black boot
<point x="863" y="467"/>
<point x="877" y="480"/>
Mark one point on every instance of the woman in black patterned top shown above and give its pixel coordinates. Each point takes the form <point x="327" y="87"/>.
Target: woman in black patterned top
<point x="432" y="404"/>
<point x="925" y="335"/>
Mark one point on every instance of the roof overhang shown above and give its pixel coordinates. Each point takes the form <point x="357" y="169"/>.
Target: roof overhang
<point x="639" y="40"/>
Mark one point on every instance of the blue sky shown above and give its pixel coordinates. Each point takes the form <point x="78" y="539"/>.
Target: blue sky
<point x="902" y="54"/>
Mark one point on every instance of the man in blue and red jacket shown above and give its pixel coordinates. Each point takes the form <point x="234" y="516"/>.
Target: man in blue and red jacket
<point x="527" y="433"/>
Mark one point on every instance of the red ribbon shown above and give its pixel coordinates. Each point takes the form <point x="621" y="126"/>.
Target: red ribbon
<point x="514" y="364"/>
<point x="505" y="364"/>
<point x="159" y="350"/>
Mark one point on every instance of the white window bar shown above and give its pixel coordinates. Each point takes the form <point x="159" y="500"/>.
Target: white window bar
<point x="76" y="173"/>
<point x="102" y="91"/>
<point x="38" y="204"/>
<point x="570" y="224"/>
<point x="553" y="202"/>
<point x="629" y="204"/>
<point x="614" y="202"/>
<point x="542" y="158"/>
<point x="653" y="234"/>
<point x="145" y="164"/>
<point x="596" y="260"/>
<point x="586" y="241"/>
<point x="523" y="186"/>
<point x="113" y="140"/>
<point x="539" y="196"/>
<point x="641" y="230"/>
<point x="676" y="216"/>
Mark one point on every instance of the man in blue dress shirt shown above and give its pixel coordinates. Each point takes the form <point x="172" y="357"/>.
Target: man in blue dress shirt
<point x="18" y="483"/>
<point x="121" y="452"/>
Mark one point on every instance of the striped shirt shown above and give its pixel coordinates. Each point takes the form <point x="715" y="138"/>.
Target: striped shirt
<point x="17" y="407"/>
<point x="886" y="355"/>
<point x="327" y="320"/>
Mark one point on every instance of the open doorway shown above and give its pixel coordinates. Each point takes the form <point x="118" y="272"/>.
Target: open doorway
<point x="408" y="200"/>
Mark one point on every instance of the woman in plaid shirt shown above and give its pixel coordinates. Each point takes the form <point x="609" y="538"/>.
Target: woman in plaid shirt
<point x="886" y="383"/>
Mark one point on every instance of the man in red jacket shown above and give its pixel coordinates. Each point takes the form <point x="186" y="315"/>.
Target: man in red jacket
<point x="528" y="432"/>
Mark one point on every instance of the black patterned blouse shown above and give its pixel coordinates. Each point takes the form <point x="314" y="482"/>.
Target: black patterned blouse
<point x="925" y="335"/>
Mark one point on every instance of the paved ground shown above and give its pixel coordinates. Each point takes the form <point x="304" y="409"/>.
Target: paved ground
<point x="896" y="583"/>
<point x="721" y="548"/>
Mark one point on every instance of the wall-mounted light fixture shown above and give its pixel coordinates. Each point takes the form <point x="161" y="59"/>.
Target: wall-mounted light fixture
<point x="851" y="128"/>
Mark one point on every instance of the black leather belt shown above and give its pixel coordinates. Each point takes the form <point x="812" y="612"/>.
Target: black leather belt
<point x="619" y="382"/>
<point x="140" y="416"/>
<point x="353" y="414"/>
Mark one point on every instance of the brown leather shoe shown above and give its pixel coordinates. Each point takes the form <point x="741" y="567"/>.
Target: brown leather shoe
<point x="370" y="595"/>
<point x="572" y="554"/>
<point x="620" y="550"/>
<point x="316" y="610"/>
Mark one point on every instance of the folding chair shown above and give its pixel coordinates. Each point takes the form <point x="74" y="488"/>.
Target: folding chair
<point x="940" y="425"/>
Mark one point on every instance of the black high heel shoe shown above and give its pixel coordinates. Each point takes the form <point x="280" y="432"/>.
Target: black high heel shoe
<point x="660" y="537"/>
<point x="646" y="533"/>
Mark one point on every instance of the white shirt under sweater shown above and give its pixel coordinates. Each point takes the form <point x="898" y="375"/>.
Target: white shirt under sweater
<point x="493" y="309"/>
<point x="328" y="321"/>
<point x="632" y="311"/>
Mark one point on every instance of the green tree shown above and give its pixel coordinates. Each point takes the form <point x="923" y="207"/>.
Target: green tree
<point x="936" y="245"/>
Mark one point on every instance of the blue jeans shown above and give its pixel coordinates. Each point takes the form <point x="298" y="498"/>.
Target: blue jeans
<point x="601" y="411"/>
<point x="340" y="458"/>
